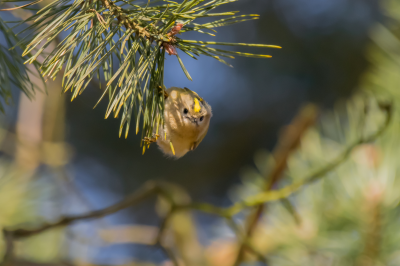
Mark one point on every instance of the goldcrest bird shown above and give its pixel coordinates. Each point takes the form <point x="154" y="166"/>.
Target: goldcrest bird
<point x="186" y="118"/>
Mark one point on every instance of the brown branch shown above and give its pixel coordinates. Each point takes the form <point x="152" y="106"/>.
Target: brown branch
<point x="18" y="7"/>
<point x="21" y="13"/>
<point x="288" y="142"/>
<point x="122" y="18"/>
<point x="149" y="189"/>
<point x="170" y="254"/>
<point x="242" y="239"/>
<point x="8" y="256"/>
<point x="162" y="228"/>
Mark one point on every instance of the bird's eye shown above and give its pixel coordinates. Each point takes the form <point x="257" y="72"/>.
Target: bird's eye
<point x="201" y="118"/>
<point x="185" y="111"/>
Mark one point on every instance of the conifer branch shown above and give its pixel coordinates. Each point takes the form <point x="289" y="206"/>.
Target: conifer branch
<point x="100" y="33"/>
<point x="12" y="70"/>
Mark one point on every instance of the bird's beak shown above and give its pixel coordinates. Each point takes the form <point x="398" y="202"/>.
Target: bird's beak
<point x="195" y="120"/>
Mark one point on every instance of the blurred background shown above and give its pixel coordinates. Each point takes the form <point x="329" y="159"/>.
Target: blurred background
<point x="60" y="157"/>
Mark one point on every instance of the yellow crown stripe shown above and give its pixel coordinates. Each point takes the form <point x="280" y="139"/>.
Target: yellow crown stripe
<point x="197" y="106"/>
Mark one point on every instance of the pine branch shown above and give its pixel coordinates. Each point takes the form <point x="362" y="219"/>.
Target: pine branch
<point x="12" y="70"/>
<point x="101" y="33"/>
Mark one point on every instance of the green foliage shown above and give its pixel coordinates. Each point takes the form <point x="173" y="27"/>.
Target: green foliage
<point x="348" y="217"/>
<point x="12" y="70"/>
<point x="125" y="43"/>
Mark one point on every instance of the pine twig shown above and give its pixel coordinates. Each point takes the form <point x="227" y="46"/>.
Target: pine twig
<point x="288" y="143"/>
<point x="18" y="7"/>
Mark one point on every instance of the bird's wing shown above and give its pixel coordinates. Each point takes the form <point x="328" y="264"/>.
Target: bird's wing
<point x="196" y="143"/>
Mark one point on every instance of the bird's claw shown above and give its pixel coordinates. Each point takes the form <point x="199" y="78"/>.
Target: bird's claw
<point x="165" y="93"/>
<point x="148" y="140"/>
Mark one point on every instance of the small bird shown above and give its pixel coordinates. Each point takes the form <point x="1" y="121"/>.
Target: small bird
<point x="186" y="118"/>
